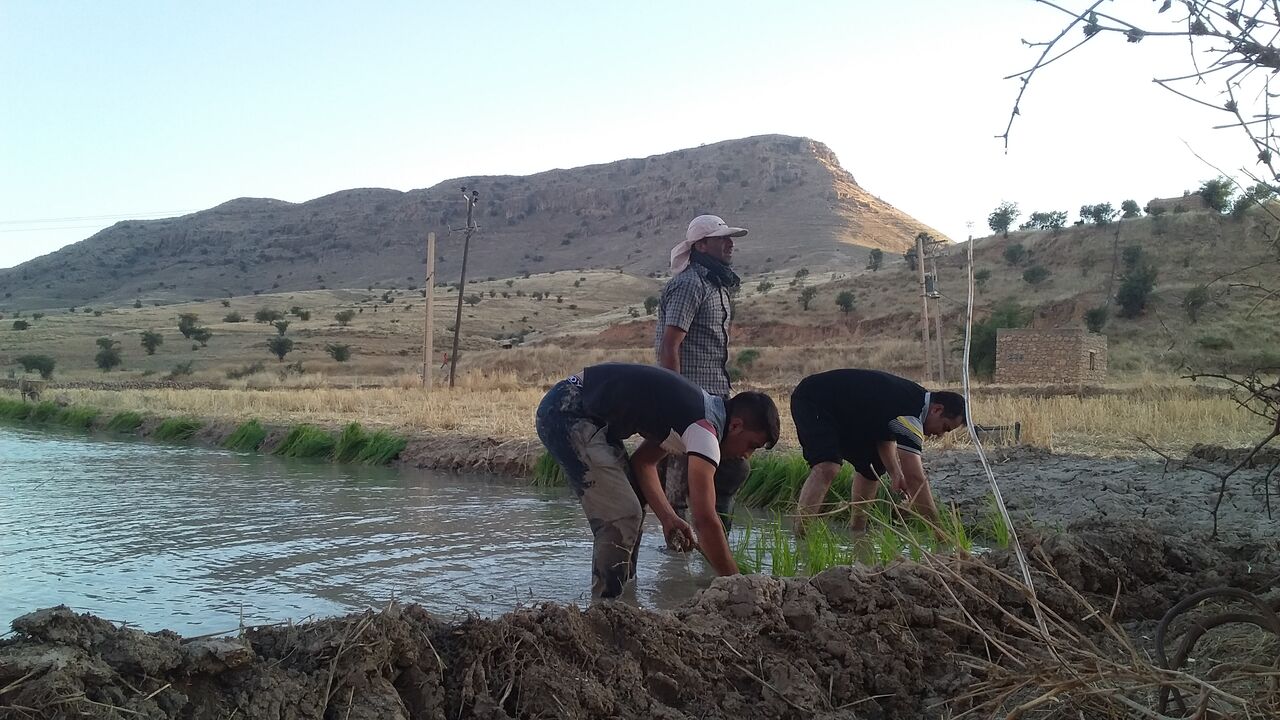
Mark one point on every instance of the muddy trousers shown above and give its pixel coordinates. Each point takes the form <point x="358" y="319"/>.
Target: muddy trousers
<point x="598" y="470"/>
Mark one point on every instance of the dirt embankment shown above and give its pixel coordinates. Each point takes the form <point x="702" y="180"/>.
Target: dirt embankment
<point x="440" y="451"/>
<point x="886" y="643"/>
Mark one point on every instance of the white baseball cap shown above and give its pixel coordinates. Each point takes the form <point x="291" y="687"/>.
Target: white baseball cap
<point x="701" y="227"/>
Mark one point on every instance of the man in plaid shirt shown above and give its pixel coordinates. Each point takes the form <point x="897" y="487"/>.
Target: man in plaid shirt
<point x="693" y="339"/>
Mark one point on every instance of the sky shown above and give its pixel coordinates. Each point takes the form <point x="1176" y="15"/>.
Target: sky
<point x="134" y="110"/>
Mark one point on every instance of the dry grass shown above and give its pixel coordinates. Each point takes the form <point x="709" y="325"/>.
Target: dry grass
<point x="501" y="405"/>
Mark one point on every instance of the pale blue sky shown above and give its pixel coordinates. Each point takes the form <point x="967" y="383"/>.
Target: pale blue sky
<point x="138" y="109"/>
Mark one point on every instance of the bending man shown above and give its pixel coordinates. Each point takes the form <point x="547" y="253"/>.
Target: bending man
<point x="584" y="419"/>
<point x="878" y="423"/>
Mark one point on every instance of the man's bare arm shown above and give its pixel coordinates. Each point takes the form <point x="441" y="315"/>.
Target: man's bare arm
<point x="916" y="484"/>
<point x="669" y="351"/>
<point x="888" y="450"/>
<point x="702" y="502"/>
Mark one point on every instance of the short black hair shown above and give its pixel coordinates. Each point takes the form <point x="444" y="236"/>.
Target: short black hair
<point x="758" y="412"/>
<point x="952" y="404"/>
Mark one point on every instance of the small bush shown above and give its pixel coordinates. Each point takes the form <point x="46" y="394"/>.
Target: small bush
<point x="1015" y="253"/>
<point x="280" y="346"/>
<point x="1215" y="343"/>
<point x="177" y="429"/>
<point x="127" y="421"/>
<point x="267" y="315"/>
<point x="246" y="438"/>
<point x="338" y="351"/>
<point x="179" y="370"/>
<point x="21" y="325"/>
<point x="306" y="441"/>
<point x="246" y="370"/>
<point x="344" y="317"/>
<point x="42" y="364"/>
<point x="233" y="317"/>
<point x="1035" y="275"/>
<point x="1096" y="318"/>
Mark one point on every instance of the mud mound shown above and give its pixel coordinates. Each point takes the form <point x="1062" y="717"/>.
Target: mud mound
<point x="870" y="642"/>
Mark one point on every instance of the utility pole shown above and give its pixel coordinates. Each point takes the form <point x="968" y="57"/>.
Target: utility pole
<point x="924" y="308"/>
<point x="428" y="322"/>
<point x="462" y="282"/>
<point x="937" y="324"/>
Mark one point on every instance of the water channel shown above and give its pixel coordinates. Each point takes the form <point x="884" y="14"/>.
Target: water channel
<point x="199" y="540"/>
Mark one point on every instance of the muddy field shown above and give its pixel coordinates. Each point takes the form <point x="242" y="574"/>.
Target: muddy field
<point x="905" y="641"/>
<point x="1051" y="491"/>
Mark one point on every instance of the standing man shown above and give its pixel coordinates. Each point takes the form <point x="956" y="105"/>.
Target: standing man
<point x="693" y="339"/>
<point x="878" y="423"/>
<point x="583" y="420"/>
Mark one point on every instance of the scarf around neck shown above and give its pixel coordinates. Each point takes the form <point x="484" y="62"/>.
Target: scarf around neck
<point x="717" y="272"/>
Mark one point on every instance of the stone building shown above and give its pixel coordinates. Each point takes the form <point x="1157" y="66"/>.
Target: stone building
<point x="1191" y="202"/>
<point x="1050" y="357"/>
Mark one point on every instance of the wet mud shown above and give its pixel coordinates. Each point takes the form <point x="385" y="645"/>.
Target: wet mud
<point x="1049" y="491"/>
<point x="894" y="642"/>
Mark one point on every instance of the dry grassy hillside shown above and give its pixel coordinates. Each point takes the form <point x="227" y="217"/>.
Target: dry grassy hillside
<point x="593" y="315"/>
<point x="800" y="205"/>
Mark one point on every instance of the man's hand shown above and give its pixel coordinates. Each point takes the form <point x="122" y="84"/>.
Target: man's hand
<point x="679" y="535"/>
<point x="899" y="483"/>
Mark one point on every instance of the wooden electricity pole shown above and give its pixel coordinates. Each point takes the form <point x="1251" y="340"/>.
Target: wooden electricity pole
<point x="937" y="325"/>
<point x="924" y="308"/>
<point x="428" y="322"/>
<point x="462" y="282"/>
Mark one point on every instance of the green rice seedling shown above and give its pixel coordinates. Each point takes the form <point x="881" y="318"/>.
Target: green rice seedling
<point x="381" y="448"/>
<point x="306" y="441"/>
<point x="173" y="429"/>
<point x="547" y="472"/>
<point x="784" y="561"/>
<point x="246" y="438"/>
<point x="993" y="526"/>
<point x="80" y="417"/>
<point x="351" y="442"/>
<point x="886" y="543"/>
<point x="953" y="527"/>
<point x="125" y="422"/>
<point x="776" y="479"/>
<point x="822" y="547"/>
<point x="46" y="411"/>
<point x="748" y="552"/>
<point x="14" y="409"/>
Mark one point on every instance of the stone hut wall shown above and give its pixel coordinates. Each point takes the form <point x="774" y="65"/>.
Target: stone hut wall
<point x="1193" y="202"/>
<point x="1039" y="357"/>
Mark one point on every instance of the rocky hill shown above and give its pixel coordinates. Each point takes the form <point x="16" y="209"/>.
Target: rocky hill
<point x="803" y="209"/>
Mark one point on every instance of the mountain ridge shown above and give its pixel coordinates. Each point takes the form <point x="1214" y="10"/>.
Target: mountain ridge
<point x="802" y="207"/>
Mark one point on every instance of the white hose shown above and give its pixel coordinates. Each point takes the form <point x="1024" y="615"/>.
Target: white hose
<point x="982" y="457"/>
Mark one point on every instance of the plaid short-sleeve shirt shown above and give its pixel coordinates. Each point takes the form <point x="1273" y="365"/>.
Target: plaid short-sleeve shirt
<point x="701" y="308"/>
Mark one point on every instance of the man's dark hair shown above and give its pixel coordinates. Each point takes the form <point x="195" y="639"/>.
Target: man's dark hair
<point x="757" y="412"/>
<point x="952" y="404"/>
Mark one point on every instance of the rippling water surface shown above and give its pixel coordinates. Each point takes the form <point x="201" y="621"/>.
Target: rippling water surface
<point x="195" y="539"/>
